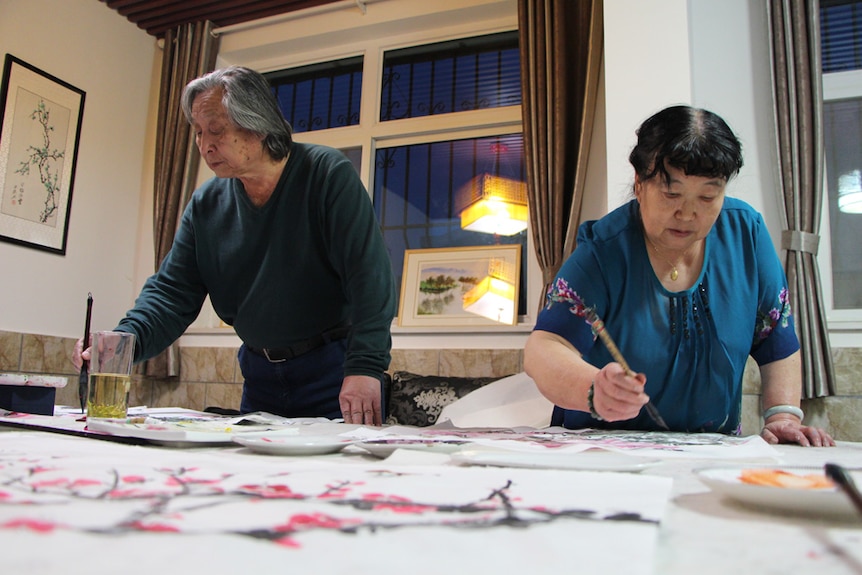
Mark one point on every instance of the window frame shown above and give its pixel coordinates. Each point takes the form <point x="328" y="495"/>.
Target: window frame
<point x="836" y="86"/>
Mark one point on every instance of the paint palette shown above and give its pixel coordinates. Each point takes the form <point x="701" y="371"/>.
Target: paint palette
<point x="831" y="502"/>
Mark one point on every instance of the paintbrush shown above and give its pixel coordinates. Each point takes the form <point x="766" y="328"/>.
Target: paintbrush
<point x="843" y="480"/>
<point x="85" y="365"/>
<point x="599" y="328"/>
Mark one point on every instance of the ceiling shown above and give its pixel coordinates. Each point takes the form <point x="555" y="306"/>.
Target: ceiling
<point x="158" y="16"/>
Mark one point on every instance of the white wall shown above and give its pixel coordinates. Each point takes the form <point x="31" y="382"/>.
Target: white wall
<point x="95" y="49"/>
<point x="709" y="54"/>
<point x="647" y="68"/>
<point x="731" y="76"/>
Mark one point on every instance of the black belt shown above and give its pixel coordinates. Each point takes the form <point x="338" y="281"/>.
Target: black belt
<point x="275" y="355"/>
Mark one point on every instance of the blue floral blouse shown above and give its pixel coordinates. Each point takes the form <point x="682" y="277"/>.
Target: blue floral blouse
<point x="693" y="344"/>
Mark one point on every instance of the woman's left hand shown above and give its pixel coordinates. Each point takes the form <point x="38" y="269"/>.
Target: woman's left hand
<point x="791" y="430"/>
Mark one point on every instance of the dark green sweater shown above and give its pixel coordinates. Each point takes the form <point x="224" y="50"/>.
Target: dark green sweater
<point x="310" y="258"/>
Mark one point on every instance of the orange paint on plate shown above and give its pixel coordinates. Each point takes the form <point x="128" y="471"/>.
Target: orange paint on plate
<point x="781" y="478"/>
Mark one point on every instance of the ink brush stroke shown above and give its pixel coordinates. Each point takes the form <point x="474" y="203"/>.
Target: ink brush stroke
<point x="599" y="328"/>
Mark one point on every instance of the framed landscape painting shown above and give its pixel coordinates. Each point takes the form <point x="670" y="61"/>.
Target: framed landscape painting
<point x="436" y="281"/>
<point x="40" y="129"/>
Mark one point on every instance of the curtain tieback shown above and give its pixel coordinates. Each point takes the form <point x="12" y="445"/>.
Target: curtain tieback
<point x="797" y="241"/>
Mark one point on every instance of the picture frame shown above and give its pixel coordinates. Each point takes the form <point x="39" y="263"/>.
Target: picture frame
<point x="40" y="130"/>
<point x="456" y="270"/>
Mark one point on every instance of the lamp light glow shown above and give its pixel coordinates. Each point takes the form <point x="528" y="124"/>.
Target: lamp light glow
<point x="850" y="192"/>
<point x="494" y="296"/>
<point x="493" y="205"/>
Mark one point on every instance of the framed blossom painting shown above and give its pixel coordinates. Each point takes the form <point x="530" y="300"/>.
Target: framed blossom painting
<point x="40" y="129"/>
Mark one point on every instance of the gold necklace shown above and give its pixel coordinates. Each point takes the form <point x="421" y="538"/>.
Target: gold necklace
<point x="674" y="273"/>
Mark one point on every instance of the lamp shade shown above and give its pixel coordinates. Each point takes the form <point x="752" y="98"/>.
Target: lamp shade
<point x="850" y="192"/>
<point x="495" y="295"/>
<point x="493" y="205"/>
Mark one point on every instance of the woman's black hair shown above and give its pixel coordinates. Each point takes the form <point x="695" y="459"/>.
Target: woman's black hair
<point x="693" y="140"/>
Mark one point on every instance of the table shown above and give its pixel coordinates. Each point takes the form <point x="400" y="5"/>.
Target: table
<point x="706" y="534"/>
<point x="682" y="526"/>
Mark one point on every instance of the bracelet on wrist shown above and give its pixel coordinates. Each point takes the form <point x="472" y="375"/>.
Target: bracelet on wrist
<point x="776" y="409"/>
<point x="593" y="412"/>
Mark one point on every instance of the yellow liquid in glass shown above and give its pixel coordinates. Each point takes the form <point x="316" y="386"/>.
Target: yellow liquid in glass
<point x="108" y="396"/>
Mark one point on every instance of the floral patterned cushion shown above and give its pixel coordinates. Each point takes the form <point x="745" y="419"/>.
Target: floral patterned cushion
<point x="418" y="399"/>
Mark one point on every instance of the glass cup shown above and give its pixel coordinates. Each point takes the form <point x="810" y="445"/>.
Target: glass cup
<point x="111" y="355"/>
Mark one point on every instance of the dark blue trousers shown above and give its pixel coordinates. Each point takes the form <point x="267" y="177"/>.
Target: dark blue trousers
<point x="305" y="386"/>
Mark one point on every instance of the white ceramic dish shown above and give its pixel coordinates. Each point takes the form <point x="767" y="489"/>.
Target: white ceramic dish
<point x="293" y="444"/>
<point x="385" y="447"/>
<point x="726" y="482"/>
<point x="582" y="461"/>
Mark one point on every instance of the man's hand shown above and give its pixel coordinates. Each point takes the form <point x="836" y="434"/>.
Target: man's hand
<point x="360" y="400"/>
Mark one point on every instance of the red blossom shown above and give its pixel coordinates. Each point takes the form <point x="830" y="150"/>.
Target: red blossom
<point x="383" y="497"/>
<point x="334" y="494"/>
<point x="400" y="508"/>
<point x="134" y="479"/>
<point x="395" y="503"/>
<point x="32" y="524"/>
<point x="288" y="542"/>
<point x="60" y="481"/>
<point x="154" y="527"/>
<point x="272" y="491"/>
<point x="130" y="493"/>
<point x="305" y="521"/>
<point x="85" y="482"/>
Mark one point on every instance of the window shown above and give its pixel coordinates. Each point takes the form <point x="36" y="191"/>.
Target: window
<point x="841" y="52"/>
<point x="455" y="76"/>
<point x="320" y="96"/>
<point x="418" y="164"/>
<point x="416" y="194"/>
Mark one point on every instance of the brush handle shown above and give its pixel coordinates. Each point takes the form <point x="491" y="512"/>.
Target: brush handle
<point x="844" y="481"/>
<point x="599" y="328"/>
<point x="85" y="365"/>
<point x="86" y="340"/>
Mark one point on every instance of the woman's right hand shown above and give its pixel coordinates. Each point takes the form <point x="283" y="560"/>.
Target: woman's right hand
<point x="618" y="396"/>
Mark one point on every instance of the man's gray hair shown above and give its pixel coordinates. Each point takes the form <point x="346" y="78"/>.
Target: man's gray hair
<point x="250" y="104"/>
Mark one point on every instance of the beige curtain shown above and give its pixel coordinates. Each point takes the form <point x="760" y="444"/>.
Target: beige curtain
<point x="189" y="51"/>
<point x="561" y="50"/>
<point x="795" y="35"/>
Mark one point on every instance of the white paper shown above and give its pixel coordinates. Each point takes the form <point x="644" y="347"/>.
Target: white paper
<point x="153" y="510"/>
<point x="513" y="401"/>
<point x="24" y="379"/>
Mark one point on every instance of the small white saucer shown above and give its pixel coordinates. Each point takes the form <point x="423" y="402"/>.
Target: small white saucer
<point x="294" y="444"/>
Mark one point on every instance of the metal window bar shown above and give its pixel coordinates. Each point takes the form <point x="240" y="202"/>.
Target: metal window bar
<point x="840" y="35"/>
<point x="322" y="107"/>
<point x="433" y="71"/>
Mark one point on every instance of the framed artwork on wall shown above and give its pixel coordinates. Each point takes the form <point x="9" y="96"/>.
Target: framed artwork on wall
<point x="460" y="287"/>
<point x="40" y="129"/>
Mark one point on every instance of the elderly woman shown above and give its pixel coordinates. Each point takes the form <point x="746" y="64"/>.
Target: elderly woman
<point x="688" y="284"/>
<point x="284" y="241"/>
